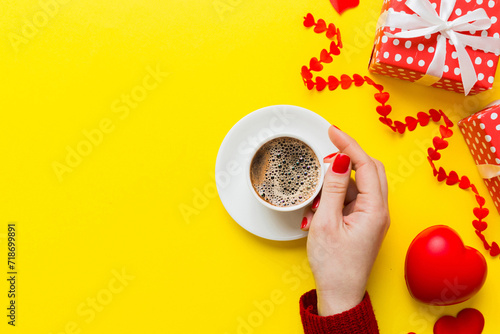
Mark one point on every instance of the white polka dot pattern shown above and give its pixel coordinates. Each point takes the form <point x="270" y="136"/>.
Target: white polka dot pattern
<point x="483" y="128"/>
<point x="410" y="59"/>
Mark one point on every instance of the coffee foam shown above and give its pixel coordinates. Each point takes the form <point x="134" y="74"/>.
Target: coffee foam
<point x="285" y="172"/>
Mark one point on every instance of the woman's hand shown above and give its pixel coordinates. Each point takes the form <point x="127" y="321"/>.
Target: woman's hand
<point x="347" y="225"/>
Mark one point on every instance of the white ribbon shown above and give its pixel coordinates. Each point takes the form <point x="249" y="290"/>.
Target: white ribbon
<point x="428" y="21"/>
<point x="488" y="171"/>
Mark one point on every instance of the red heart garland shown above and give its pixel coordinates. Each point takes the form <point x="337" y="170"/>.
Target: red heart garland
<point x="422" y="119"/>
<point x="468" y="321"/>
<point x="342" y="5"/>
<point x="384" y="110"/>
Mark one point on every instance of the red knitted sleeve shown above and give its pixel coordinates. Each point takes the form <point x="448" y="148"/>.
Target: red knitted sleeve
<point x="358" y="320"/>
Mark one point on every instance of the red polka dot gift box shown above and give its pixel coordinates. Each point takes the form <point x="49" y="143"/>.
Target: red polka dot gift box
<point x="481" y="132"/>
<point x="447" y="44"/>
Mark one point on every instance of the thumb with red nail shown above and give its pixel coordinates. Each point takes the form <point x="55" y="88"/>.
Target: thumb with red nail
<point x="347" y="225"/>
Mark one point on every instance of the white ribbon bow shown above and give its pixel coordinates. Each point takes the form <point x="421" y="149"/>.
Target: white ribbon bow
<point x="428" y="21"/>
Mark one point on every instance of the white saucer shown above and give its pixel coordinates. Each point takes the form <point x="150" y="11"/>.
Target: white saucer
<point x="234" y="154"/>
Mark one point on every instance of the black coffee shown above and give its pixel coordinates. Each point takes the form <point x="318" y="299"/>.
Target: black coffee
<point x="285" y="172"/>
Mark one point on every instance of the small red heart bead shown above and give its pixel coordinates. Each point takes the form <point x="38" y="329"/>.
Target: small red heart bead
<point x="382" y="97"/>
<point x="320" y="26"/>
<point x="320" y="84"/>
<point x="315" y="65"/>
<point x="308" y="20"/>
<point x="384" y="110"/>
<point x="325" y="56"/>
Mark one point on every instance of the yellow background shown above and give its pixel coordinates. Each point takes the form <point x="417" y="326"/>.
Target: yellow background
<point x="119" y="209"/>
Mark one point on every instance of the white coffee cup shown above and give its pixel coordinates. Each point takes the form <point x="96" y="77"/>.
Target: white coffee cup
<point x="291" y="207"/>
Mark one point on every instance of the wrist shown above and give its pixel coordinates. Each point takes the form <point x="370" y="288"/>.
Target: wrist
<point x="335" y="302"/>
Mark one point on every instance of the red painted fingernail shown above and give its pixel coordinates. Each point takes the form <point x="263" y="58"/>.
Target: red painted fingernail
<point x="316" y="202"/>
<point x="304" y="222"/>
<point x="341" y="164"/>
<point x="329" y="156"/>
<point x="336" y="127"/>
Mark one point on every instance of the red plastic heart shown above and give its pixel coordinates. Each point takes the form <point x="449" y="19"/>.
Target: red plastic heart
<point x="468" y="321"/>
<point x="440" y="270"/>
<point x="342" y="5"/>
